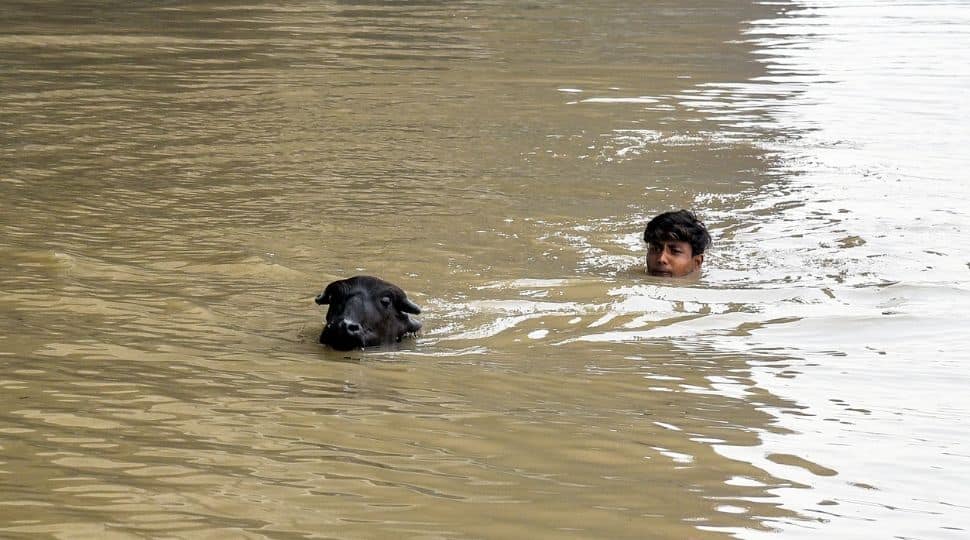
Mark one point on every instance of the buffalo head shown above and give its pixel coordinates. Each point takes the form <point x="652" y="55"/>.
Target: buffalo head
<point x="365" y="312"/>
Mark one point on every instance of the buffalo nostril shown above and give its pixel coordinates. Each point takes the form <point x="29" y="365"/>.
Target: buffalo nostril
<point x="353" y="328"/>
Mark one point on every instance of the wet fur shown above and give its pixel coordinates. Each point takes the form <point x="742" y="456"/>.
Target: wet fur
<point x="366" y="311"/>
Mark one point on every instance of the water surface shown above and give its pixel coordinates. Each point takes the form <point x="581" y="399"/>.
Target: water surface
<point x="179" y="179"/>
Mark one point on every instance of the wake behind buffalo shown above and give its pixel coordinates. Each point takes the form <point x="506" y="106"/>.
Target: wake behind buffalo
<point x="365" y="311"/>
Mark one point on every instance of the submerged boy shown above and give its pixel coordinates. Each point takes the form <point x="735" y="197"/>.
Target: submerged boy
<point x="676" y="242"/>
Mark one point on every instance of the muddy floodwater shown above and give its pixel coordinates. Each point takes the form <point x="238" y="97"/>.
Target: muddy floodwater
<point x="179" y="179"/>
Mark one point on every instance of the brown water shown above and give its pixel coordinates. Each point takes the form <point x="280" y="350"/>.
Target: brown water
<point x="179" y="179"/>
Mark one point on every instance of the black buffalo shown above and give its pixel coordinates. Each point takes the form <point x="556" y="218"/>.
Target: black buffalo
<point x="364" y="312"/>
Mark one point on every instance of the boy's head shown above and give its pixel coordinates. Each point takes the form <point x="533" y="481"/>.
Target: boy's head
<point x="676" y="242"/>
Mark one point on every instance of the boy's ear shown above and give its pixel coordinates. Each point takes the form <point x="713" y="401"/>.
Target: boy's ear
<point x="698" y="261"/>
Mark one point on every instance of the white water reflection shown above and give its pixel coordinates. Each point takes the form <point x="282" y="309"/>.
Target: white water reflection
<point x="871" y="214"/>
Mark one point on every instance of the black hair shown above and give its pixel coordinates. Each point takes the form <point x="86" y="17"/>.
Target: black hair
<point x="678" y="225"/>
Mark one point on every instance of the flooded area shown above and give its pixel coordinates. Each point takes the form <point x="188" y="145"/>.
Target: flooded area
<point x="178" y="180"/>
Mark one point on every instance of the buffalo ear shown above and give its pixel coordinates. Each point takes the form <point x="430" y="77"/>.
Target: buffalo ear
<point x="413" y="325"/>
<point x="405" y="305"/>
<point x="326" y="296"/>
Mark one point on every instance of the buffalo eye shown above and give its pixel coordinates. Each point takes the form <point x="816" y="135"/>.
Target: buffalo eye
<point x="386" y="301"/>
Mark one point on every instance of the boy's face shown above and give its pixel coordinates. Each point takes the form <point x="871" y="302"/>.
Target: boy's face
<point x="672" y="258"/>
